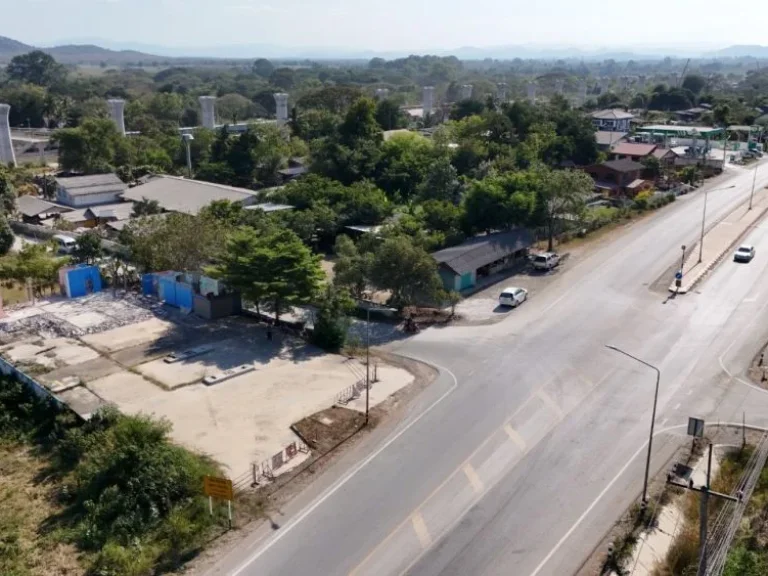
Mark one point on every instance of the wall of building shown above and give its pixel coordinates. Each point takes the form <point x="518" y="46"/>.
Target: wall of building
<point x="83" y="201"/>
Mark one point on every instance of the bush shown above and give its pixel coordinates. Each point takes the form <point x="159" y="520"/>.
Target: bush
<point x="331" y="323"/>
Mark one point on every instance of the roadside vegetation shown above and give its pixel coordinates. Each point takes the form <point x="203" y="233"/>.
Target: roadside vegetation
<point x="109" y="497"/>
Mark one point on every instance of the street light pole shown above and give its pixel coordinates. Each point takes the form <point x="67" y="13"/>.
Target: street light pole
<point x="704" y="217"/>
<point x="367" y="360"/>
<point x="653" y="416"/>
<point x="187" y="140"/>
<point x="754" y="181"/>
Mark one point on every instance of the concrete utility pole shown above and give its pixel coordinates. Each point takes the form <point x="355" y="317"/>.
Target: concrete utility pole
<point x="754" y="181"/>
<point x="367" y="360"/>
<point x="705" y="493"/>
<point x="653" y="417"/>
<point x="704" y="217"/>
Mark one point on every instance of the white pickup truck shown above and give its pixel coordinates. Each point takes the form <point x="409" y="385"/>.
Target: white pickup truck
<point x="546" y="261"/>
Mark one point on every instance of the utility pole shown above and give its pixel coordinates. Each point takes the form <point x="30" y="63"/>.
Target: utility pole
<point x="653" y="418"/>
<point x="754" y="181"/>
<point x="367" y="360"/>
<point x="704" y="217"/>
<point x="705" y="492"/>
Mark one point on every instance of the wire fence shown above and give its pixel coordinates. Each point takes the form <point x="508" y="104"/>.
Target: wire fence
<point x="729" y="519"/>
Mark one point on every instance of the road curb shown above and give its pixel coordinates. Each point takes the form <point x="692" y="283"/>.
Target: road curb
<point x="721" y="254"/>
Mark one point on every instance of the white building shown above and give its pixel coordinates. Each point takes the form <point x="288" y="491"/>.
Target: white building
<point x="84" y="191"/>
<point x="612" y="120"/>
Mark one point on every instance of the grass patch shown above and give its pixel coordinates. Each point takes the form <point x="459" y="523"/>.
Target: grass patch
<point x="117" y="493"/>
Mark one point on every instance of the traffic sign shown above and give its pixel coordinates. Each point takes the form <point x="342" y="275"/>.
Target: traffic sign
<point x="679" y="275"/>
<point x="695" y="427"/>
<point x="220" y="488"/>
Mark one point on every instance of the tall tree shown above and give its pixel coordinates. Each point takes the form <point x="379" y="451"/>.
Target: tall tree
<point x="441" y="183"/>
<point x="6" y="236"/>
<point x="88" y="247"/>
<point x="36" y="67"/>
<point x="331" y="322"/>
<point x="94" y="147"/>
<point x="564" y="192"/>
<point x="7" y="192"/>
<point x="352" y="268"/>
<point x="263" y="67"/>
<point x="406" y="270"/>
<point x="389" y="115"/>
<point x="275" y="268"/>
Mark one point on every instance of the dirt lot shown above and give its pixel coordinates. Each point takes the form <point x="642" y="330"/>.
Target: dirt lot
<point x="100" y="350"/>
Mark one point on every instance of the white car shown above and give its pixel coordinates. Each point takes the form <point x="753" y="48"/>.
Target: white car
<point x="513" y="296"/>
<point x="744" y="253"/>
<point x="546" y="261"/>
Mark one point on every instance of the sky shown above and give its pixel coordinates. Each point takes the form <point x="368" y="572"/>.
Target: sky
<point x="382" y="25"/>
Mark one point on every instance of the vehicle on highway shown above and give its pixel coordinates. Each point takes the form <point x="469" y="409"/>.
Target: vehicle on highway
<point x="546" y="261"/>
<point x="513" y="296"/>
<point x="744" y="253"/>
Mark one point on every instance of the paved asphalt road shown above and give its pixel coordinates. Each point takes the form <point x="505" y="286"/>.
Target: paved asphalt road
<point x="531" y="443"/>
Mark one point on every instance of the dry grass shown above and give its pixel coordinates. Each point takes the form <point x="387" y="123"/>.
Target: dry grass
<point x="14" y="295"/>
<point x="26" y="502"/>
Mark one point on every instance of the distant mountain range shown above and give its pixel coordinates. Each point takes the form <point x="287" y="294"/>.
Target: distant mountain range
<point x="95" y="51"/>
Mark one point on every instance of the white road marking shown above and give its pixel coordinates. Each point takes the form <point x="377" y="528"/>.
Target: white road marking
<point x="515" y="437"/>
<point x="602" y="494"/>
<point x="474" y="479"/>
<point x="689" y="392"/>
<point x="677" y="406"/>
<point x="420" y="527"/>
<point x="342" y="481"/>
<point x="663" y="422"/>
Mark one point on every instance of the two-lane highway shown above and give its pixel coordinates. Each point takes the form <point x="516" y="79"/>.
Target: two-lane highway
<point x="525" y="452"/>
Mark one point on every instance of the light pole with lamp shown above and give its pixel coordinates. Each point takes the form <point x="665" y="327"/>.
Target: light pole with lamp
<point x="754" y="181"/>
<point x="653" y="416"/>
<point x="704" y="217"/>
<point x="187" y="140"/>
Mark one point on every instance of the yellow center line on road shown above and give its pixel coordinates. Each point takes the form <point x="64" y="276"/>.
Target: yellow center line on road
<point x="416" y="517"/>
<point x="515" y="437"/>
<point x="551" y="404"/>
<point x="420" y="527"/>
<point x="474" y="479"/>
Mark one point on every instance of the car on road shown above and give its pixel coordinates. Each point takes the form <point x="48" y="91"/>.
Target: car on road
<point x="513" y="296"/>
<point x="546" y="261"/>
<point x="744" y="253"/>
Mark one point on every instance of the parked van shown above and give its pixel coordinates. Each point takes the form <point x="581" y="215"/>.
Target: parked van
<point x="65" y="244"/>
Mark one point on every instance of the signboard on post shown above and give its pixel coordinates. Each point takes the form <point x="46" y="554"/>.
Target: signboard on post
<point x="220" y="488"/>
<point x="696" y="427"/>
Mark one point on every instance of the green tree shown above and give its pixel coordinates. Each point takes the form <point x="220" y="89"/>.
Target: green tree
<point x="406" y="270"/>
<point x="6" y="236"/>
<point x="331" y="322"/>
<point x="263" y="67"/>
<point x="88" y="247"/>
<point x="722" y="114"/>
<point x="564" y="192"/>
<point x="7" y="192"/>
<point x="36" y="67"/>
<point x="94" y="147"/>
<point x="652" y="166"/>
<point x="695" y="83"/>
<point x="352" y="268"/>
<point x="467" y="108"/>
<point x="276" y="267"/>
<point x="234" y="107"/>
<point x="403" y="166"/>
<point x="283" y="78"/>
<point x="441" y="182"/>
<point x="389" y="115"/>
<point x="28" y="104"/>
<point x="172" y="242"/>
<point x="360" y="123"/>
<point x="145" y="207"/>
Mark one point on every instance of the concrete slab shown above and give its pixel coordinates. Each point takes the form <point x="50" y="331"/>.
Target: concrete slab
<point x="390" y="381"/>
<point x="125" y="387"/>
<point x="82" y="401"/>
<point x="86" y="319"/>
<point x="127" y="336"/>
<point x="246" y="419"/>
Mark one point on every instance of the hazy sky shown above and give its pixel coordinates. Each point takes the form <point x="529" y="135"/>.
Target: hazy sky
<point x="389" y="24"/>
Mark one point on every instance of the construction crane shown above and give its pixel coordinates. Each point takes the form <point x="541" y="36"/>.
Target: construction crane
<point x="682" y="76"/>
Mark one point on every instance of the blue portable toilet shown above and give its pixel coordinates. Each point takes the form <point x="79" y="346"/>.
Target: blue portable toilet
<point x="80" y="280"/>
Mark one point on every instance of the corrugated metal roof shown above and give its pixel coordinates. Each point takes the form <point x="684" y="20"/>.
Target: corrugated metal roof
<point x="187" y="196"/>
<point x="623" y="165"/>
<point x="612" y="115"/>
<point x="605" y="138"/>
<point x="633" y="149"/>
<point x="93" y="184"/>
<point x="482" y="250"/>
<point x="34" y="206"/>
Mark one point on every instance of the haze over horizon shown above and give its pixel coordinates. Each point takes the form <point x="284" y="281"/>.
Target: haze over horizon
<point x="392" y="26"/>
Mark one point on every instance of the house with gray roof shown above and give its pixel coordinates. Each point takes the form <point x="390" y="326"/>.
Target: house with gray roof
<point x="175" y="194"/>
<point x="85" y="191"/>
<point x="460" y="266"/>
<point x="34" y="210"/>
<point x="612" y="120"/>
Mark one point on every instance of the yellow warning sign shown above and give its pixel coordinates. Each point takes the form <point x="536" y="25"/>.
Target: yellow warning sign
<point x="220" y="488"/>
